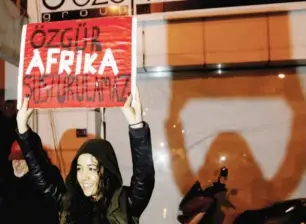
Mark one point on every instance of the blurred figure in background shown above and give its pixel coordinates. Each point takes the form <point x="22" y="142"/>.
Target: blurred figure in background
<point x="23" y="201"/>
<point x="8" y="135"/>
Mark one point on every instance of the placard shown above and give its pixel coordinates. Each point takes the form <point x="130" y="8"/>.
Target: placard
<point x="81" y="63"/>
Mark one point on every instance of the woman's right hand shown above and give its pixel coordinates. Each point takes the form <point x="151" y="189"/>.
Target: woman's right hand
<point x="133" y="113"/>
<point x="23" y="116"/>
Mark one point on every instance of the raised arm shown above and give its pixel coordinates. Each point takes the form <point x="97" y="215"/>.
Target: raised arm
<point x="46" y="176"/>
<point x="143" y="179"/>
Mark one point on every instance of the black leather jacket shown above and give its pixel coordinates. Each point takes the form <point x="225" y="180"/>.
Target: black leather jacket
<point x="142" y="181"/>
<point x="45" y="175"/>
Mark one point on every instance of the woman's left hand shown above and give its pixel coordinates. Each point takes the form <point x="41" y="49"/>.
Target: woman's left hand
<point x="133" y="114"/>
<point x="23" y="116"/>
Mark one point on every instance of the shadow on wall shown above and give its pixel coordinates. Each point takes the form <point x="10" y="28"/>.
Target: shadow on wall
<point x="66" y="150"/>
<point x="254" y="191"/>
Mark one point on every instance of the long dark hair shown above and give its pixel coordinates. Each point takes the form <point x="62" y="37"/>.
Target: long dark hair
<point x="79" y="207"/>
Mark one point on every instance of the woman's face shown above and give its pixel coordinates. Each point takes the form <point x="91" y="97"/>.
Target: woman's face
<point x="88" y="174"/>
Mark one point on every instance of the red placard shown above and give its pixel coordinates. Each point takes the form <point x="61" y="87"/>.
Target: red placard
<point x="80" y="63"/>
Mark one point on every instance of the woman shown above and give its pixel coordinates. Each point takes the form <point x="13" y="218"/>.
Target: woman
<point x="95" y="193"/>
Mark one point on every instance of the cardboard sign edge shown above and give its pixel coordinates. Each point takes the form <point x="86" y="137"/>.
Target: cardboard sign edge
<point x="21" y="65"/>
<point x="134" y="60"/>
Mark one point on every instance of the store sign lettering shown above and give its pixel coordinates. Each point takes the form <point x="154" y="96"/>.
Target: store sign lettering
<point x="52" y="5"/>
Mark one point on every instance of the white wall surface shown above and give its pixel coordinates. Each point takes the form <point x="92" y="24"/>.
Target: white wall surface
<point x="11" y="78"/>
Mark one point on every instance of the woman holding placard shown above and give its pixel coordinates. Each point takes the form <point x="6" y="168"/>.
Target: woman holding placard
<point x="95" y="194"/>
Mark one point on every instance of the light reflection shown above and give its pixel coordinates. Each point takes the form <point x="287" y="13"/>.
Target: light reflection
<point x="159" y="69"/>
<point x="161" y="159"/>
<point x="113" y="8"/>
<point x="162" y="144"/>
<point x="183" y="131"/>
<point x="281" y="76"/>
<point x="222" y="158"/>
<point x="164" y="213"/>
<point x="174" y="126"/>
<point x="178" y="152"/>
<point x="289" y="209"/>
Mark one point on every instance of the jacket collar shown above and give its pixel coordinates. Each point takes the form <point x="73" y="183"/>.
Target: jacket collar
<point x="117" y="212"/>
<point x="114" y="204"/>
